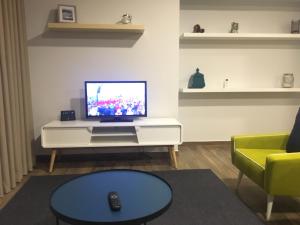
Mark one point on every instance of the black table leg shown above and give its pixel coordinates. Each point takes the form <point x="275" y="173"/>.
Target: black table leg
<point x="57" y="221"/>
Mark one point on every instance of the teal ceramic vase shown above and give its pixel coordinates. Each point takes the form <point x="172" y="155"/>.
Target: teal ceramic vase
<point x="197" y="80"/>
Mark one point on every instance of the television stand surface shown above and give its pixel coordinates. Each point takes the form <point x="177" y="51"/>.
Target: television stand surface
<point x="62" y="135"/>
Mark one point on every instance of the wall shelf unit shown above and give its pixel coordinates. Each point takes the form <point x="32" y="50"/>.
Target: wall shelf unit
<point x="241" y="90"/>
<point x="240" y="37"/>
<point x="253" y="60"/>
<point x="124" y="28"/>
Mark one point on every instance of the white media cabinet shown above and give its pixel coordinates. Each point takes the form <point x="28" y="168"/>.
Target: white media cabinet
<point x="141" y="132"/>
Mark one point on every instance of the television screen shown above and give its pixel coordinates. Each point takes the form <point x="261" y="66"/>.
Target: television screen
<point x="116" y="98"/>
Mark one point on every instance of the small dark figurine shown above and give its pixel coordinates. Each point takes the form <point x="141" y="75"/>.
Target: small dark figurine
<point x="234" y="27"/>
<point x="197" y="80"/>
<point x="295" y="27"/>
<point x="198" y="29"/>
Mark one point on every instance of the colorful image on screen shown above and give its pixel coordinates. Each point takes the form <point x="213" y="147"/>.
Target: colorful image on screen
<point x="116" y="99"/>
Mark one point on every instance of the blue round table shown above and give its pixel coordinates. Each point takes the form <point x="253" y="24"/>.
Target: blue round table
<point x="84" y="200"/>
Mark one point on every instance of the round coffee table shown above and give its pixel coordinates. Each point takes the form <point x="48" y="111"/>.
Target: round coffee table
<point x="84" y="200"/>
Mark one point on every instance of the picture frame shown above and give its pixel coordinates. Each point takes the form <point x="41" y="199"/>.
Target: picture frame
<point x="67" y="14"/>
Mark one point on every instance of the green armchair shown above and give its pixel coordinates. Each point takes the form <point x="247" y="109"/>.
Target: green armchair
<point x="264" y="160"/>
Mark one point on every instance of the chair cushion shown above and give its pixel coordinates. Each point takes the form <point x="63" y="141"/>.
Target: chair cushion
<point x="293" y="144"/>
<point x="252" y="162"/>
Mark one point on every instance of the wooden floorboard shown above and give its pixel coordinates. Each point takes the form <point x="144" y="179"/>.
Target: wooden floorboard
<point x="214" y="156"/>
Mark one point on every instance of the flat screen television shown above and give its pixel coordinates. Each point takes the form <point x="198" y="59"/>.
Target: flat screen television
<point x="115" y="100"/>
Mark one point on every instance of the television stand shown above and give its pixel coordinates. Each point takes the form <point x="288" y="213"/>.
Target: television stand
<point x="62" y="135"/>
<point x="116" y="119"/>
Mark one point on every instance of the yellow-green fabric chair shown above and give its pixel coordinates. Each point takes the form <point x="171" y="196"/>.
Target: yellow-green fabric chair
<point x="263" y="159"/>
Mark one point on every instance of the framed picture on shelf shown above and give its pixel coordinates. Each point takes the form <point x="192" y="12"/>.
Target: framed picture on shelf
<point x="67" y="14"/>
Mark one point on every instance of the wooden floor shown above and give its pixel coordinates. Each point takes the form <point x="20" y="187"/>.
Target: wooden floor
<point x="286" y="210"/>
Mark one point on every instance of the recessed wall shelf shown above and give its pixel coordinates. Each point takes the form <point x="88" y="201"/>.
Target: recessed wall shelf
<point x="240" y="36"/>
<point x="129" y="28"/>
<point x="240" y="90"/>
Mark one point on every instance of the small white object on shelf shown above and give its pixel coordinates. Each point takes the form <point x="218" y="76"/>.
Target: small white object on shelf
<point x="126" y="18"/>
<point x="288" y="80"/>
<point x="225" y="83"/>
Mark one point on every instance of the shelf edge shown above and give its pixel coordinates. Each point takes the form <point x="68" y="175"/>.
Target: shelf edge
<point x="135" y="28"/>
<point x="254" y="90"/>
<point x="241" y="36"/>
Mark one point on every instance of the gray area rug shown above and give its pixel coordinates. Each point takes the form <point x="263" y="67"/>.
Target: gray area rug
<point x="200" y="198"/>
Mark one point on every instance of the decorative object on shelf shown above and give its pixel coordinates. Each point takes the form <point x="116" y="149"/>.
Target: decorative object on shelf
<point x="67" y="14"/>
<point x="225" y="83"/>
<point x="288" y="80"/>
<point x="126" y="18"/>
<point x="198" y="29"/>
<point x="295" y="27"/>
<point x="234" y="27"/>
<point x="67" y="115"/>
<point x="197" y="80"/>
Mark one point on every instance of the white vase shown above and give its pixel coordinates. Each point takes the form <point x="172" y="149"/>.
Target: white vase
<point x="288" y="80"/>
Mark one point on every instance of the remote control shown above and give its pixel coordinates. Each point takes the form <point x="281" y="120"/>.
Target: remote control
<point x="114" y="201"/>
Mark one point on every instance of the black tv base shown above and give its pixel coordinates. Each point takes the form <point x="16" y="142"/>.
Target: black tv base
<point x="116" y="119"/>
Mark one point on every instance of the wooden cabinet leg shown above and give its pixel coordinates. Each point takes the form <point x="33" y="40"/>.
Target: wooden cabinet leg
<point x="173" y="159"/>
<point x="53" y="154"/>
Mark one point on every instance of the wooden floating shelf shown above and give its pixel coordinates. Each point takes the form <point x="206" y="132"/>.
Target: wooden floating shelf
<point x="129" y="28"/>
<point x="240" y="36"/>
<point x="244" y="90"/>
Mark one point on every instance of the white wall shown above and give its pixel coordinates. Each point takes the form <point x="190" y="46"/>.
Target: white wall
<point x="215" y="117"/>
<point x="61" y="62"/>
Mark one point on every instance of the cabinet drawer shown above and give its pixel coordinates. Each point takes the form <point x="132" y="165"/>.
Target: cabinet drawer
<point x="166" y="135"/>
<point x="65" y="137"/>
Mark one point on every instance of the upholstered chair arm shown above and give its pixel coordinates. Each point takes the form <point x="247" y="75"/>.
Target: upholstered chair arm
<point x="282" y="174"/>
<point x="259" y="141"/>
<point x="263" y="141"/>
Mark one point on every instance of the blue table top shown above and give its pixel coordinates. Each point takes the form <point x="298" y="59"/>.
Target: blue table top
<point x="143" y="196"/>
